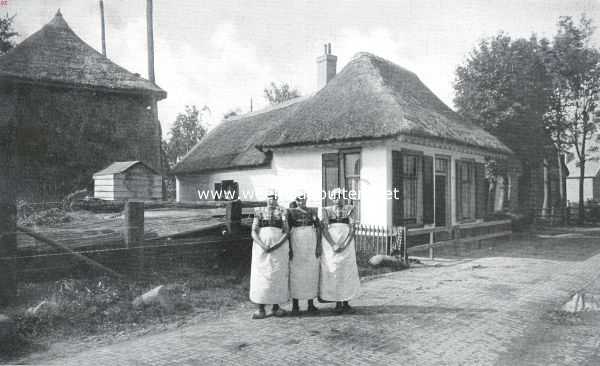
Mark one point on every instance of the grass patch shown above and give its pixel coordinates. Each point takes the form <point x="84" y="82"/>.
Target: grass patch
<point x="101" y="307"/>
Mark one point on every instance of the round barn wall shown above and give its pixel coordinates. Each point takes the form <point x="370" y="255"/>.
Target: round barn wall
<point x="65" y="135"/>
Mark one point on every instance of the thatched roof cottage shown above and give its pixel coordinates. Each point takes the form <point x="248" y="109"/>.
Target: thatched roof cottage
<point x="75" y="111"/>
<point x="374" y="128"/>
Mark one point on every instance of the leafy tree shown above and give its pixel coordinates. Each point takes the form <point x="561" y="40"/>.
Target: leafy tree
<point x="276" y="94"/>
<point x="7" y="33"/>
<point x="505" y="88"/>
<point x="575" y="67"/>
<point x="188" y="129"/>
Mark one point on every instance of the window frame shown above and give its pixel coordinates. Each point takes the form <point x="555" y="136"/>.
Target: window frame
<point x="342" y="176"/>
<point x="418" y="199"/>
<point x="470" y="164"/>
<point x="448" y="178"/>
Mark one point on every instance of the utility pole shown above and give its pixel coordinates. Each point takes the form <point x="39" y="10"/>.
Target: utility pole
<point x="150" y="30"/>
<point x="103" y="27"/>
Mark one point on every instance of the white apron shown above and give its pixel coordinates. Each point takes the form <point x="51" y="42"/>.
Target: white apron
<point x="269" y="274"/>
<point x="304" y="266"/>
<point x="339" y="272"/>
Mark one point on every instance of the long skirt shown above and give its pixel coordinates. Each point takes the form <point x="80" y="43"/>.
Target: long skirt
<point x="339" y="272"/>
<point x="304" y="266"/>
<point x="269" y="274"/>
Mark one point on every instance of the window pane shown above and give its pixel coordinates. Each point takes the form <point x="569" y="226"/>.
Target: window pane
<point x="441" y="165"/>
<point x="352" y="180"/>
<point x="352" y="164"/>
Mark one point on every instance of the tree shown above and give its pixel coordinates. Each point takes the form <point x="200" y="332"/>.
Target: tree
<point x="188" y="129"/>
<point x="7" y="33"/>
<point x="504" y="87"/>
<point x="575" y="67"/>
<point x="276" y="94"/>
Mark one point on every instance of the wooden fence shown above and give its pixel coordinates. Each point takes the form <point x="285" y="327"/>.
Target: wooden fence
<point x="567" y="215"/>
<point x="373" y="239"/>
<point x="472" y="232"/>
<point x="135" y="252"/>
<point x="131" y="251"/>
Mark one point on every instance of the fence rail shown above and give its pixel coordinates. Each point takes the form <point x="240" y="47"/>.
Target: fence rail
<point x="568" y="215"/>
<point x="460" y="234"/>
<point x="52" y="250"/>
<point x="373" y="239"/>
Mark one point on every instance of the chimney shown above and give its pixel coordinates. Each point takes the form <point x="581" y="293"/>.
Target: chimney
<point x="326" y="65"/>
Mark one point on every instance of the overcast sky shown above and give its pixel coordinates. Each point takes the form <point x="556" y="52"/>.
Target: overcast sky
<point x="222" y="53"/>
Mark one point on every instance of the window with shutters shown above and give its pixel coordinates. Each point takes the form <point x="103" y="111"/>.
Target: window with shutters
<point x="465" y="190"/>
<point x="410" y="187"/>
<point x="342" y="169"/>
<point x="412" y="179"/>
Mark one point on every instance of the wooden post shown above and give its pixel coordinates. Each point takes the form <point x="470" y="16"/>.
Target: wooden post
<point x="8" y="251"/>
<point x="134" y="224"/>
<point x="430" y="245"/>
<point x="8" y="193"/>
<point x="102" y="28"/>
<point x="134" y="233"/>
<point x="150" y="36"/>
<point x="405" y="240"/>
<point x="233" y="216"/>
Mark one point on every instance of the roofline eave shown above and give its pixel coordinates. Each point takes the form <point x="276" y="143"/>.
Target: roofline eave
<point x="216" y="170"/>
<point x="158" y="94"/>
<point x="493" y="150"/>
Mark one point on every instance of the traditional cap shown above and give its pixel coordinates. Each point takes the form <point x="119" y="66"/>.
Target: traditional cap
<point x="272" y="193"/>
<point x="301" y="195"/>
<point x="337" y="192"/>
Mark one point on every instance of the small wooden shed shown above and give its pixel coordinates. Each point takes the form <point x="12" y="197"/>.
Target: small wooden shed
<point x="123" y="180"/>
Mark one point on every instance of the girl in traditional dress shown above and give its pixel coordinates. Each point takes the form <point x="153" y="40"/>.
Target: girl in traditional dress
<point x="269" y="275"/>
<point x="339" y="272"/>
<point x="305" y="250"/>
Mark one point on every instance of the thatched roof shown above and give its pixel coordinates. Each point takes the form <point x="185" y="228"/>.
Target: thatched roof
<point x="233" y="143"/>
<point x="56" y="55"/>
<point x="371" y="98"/>
<point x="121" y="167"/>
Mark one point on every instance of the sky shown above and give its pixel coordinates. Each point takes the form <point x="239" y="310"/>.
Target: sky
<point x="223" y="53"/>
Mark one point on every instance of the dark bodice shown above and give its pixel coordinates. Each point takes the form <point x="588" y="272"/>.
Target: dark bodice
<point x="269" y="217"/>
<point x="338" y="214"/>
<point x="302" y="217"/>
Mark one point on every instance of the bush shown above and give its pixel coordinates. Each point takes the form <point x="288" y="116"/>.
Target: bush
<point x="30" y="214"/>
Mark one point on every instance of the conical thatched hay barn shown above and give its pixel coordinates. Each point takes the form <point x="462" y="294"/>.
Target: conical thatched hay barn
<point x="75" y="112"/>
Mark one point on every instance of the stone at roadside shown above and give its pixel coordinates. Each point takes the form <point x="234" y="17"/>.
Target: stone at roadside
<point x="158" y="295"/>
<point x="7" y="328"/>
<point x="381" y="260"/>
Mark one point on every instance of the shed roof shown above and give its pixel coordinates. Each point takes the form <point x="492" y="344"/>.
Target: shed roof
<point x="55" y="54"/>
<point x="371" y="98"/>
<point x="121" y="167"/>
